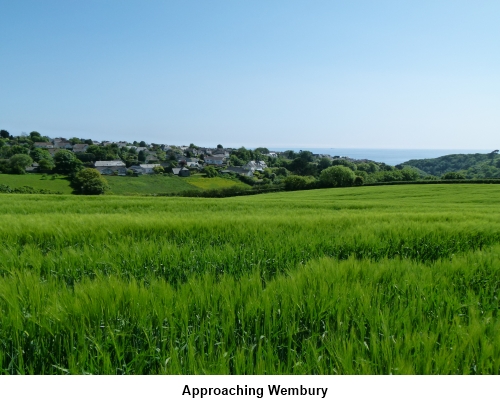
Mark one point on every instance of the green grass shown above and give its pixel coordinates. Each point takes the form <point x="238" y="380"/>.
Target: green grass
<point x="396" y="279"/>
<point x="147" y="184"/>
<point x="37" y="181"/>
<point x="206" y="183"/>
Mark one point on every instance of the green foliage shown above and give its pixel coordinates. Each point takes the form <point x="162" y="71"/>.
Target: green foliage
<point x="19" y="162"/>
<point x="302" y="167"/>
<point x="344" y="162"/>
<point x="477" y="165"/>
<point x="38" y="154"/>
<point x="141" y="157"/>
<point x="358" y="181"/>
<point x="452" y="176"/>
<point x="295" y="182"/>
<point x="158" y="170"/>
<point x="66" y="162"/>
<point x="4" y="134"/>
<point x="5" y="189"/>
<point x="337" y="176"/>
<point x="324" y="163"/>
<point x="210" y="171"/>
<point x="90" y="182"/>
<point x="46" y="165"/>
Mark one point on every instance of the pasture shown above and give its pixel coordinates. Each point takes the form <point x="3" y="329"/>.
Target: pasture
<point x="390" y="279"/>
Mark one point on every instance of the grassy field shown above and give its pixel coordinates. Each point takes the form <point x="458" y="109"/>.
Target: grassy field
<point x="205" y="183"/>
<point x="147" y="184"/>
<point x="37" y="181"/>
<point x="124" y="185"/>
<point x="377" y="280"/>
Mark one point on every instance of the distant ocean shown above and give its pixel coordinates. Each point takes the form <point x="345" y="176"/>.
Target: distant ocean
<point x="388" y="156"/>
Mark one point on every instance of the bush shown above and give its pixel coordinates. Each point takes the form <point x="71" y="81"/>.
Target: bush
<point x="19" y="162"/>
<point x="89" y="181"/>
<point x="358" y="181"/>
<point x="210" y="171"/>
<point x="294" y="182"/>
<point x="337" y="176"/>
<point x="453" y="176"/>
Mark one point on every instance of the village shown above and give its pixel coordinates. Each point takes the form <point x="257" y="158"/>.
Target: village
<point x="139" y="158"/>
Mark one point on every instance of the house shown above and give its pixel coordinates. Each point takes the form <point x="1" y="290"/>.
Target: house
<point x="137" y="169"/>
<point x="221" y="152"/>
<point x="111" y="167"/>
<point x="182" y="172"/>
<point x="272" y="154"/>
<point x="259" y="166"/>
<point x="148" y="168"/>
<point x="43" y="145"/>
<point x="151" y="156"/>
<point x="80" y="148"/>
<point x="215" y="160"/>
<point x="63" y="145"/>
<point x="239" y="170"/>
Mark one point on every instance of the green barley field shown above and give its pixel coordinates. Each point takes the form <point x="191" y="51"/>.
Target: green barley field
<point x="368" y="280"/>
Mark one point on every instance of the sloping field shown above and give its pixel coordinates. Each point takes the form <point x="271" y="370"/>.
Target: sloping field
<point x="207" y="183"/>
<point x="394" y="279"/>
<point x="38" y="181"/>
<point x="147" y="184"/>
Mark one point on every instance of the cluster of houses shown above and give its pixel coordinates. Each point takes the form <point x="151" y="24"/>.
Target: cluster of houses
<point x="187" y="158"/>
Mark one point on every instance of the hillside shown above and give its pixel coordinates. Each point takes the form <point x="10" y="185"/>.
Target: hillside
<point x="477" y="165"/>
<point x="55" y="184"/>
<point x="123" y="185"/>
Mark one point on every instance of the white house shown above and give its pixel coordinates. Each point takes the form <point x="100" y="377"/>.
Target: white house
<point x="215" y="160"/>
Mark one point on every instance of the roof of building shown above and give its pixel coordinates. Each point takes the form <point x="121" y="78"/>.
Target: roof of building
<point x="109" y="163"/>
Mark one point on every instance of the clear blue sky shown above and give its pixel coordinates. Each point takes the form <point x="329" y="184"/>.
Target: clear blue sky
<point x="368" y="74"/>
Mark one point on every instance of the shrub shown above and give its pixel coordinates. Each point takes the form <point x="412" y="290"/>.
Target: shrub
<point x="89" y="181"/>
<point x="453" y="176"/>
<point x="337" y="176"/>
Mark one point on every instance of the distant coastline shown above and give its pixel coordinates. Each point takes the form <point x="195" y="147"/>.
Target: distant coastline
<point x="388" y="156"/>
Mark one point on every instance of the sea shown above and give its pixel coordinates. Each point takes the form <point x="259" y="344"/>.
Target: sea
<point x="388" y="156"/>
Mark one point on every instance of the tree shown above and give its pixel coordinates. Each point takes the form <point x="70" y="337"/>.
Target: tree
<point x="75" y="140"/>
<point x="37" y="137"/>
<point x="324" y="163"/>
<point x="18" y="163"/>
<point x="358" y="181"/>
<point x="142" y="144"/>
<point x="4" y="134"/>
<point x="38" y="154"/>
<point x="141" y="157"/>
<point x="344" y="162"/>
<point x="90" y="182"/>
<point x="210" y="171"/>
<point x="302" y="167"/>
<point x="66" y="162"/>
<point x="46" y="165"/>
<point x="262" y="150"/>
<point x="158" y="170"/>
<point x="219" y="146"/>
<point x="453" y="176"/>
<point x="337" y="176"/>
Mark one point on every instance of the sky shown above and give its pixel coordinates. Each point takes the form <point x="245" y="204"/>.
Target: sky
<point x="363" y="74"/>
